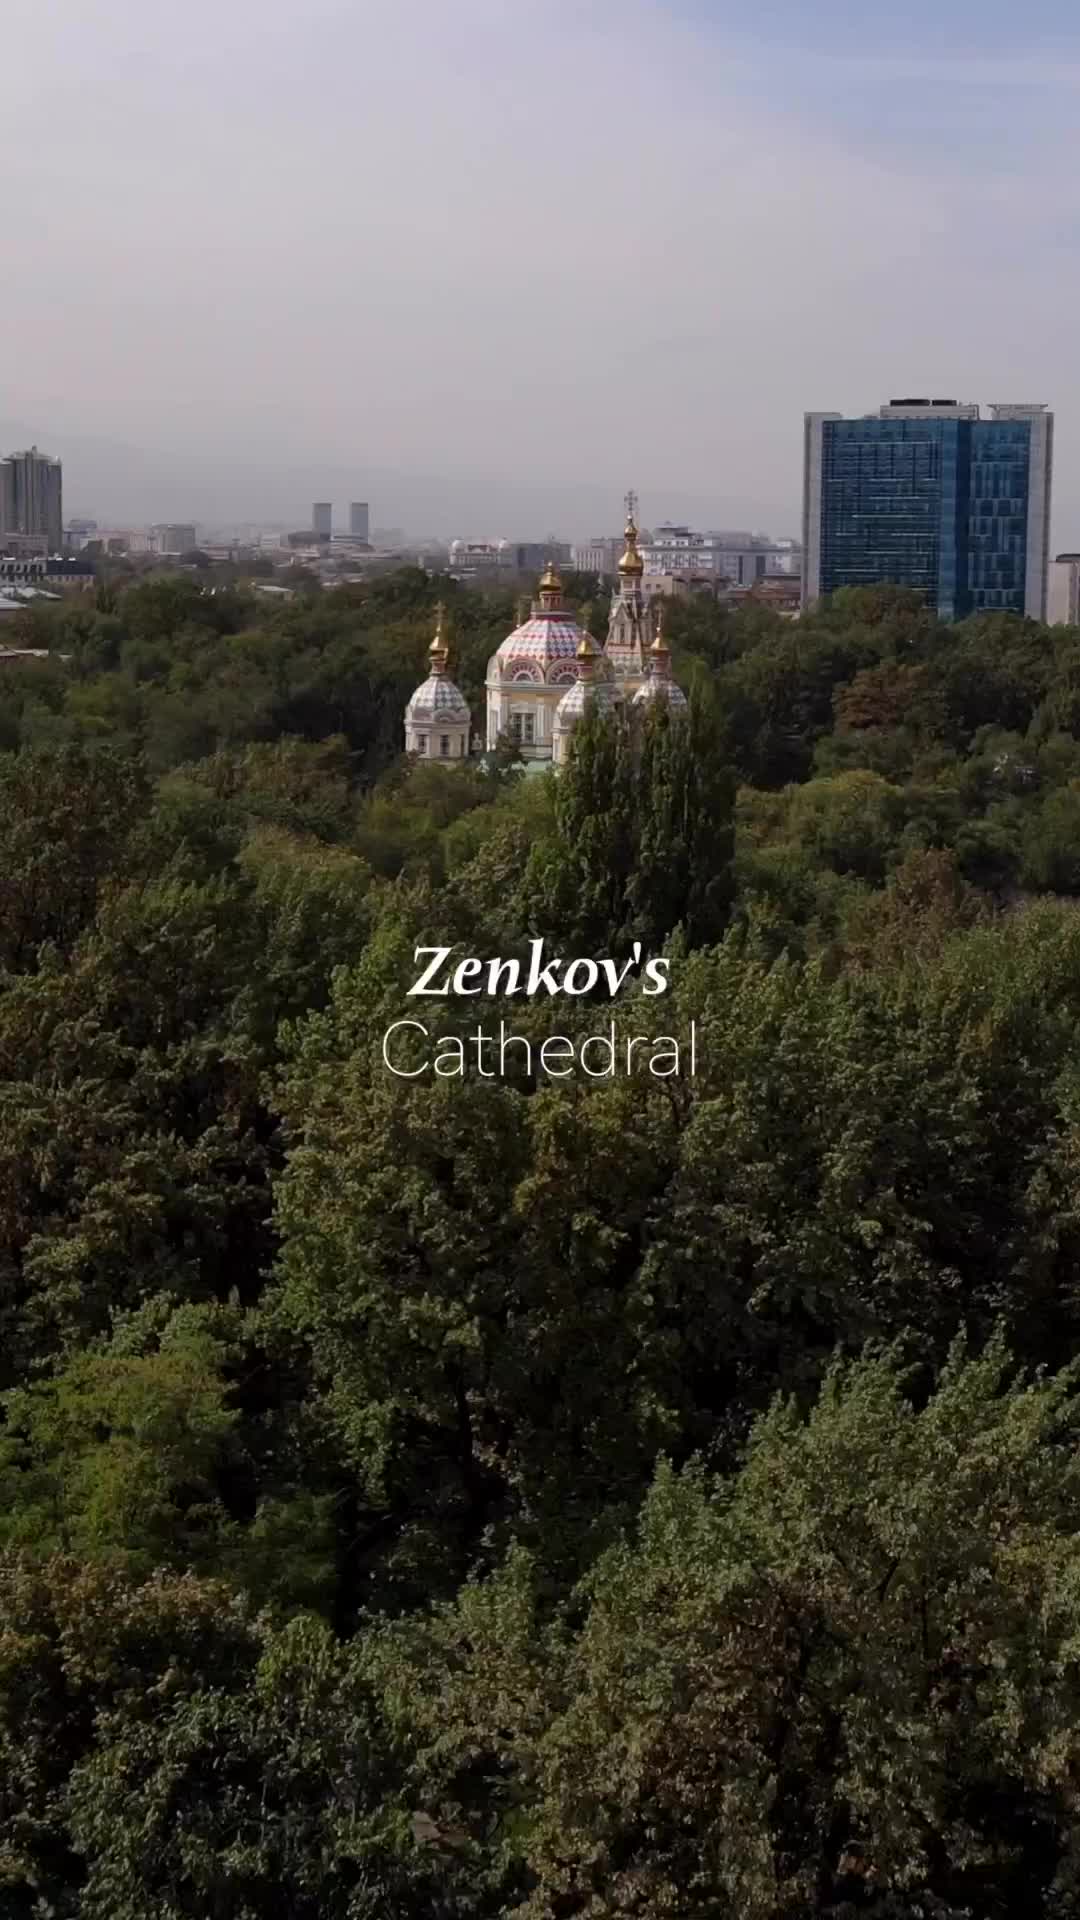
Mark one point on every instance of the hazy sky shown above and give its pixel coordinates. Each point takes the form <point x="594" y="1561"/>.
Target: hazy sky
<point x="493" y="261"/>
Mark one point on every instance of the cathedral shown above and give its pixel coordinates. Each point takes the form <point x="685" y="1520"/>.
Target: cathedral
<point x="548" y="671"/>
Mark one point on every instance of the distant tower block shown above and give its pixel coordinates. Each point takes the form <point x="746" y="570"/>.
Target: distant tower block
<point x="322" y="519"/>
<point x="359" y="519"/>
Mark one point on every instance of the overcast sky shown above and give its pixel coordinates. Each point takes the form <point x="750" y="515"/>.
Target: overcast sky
<point x="493" y="261"/>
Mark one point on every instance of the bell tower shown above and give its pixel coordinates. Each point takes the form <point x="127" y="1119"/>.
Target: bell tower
<point x="630" y="627"/>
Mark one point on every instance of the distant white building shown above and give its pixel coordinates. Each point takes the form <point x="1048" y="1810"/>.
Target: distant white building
<point x="468" y="558"/>
<point x="174" y="537"/>
<point x="78" y="534"/>
<point x="740" y="557"/>
<point x="1063" y="597"/>
<point x="786" y="557"/>
<point x="600" y="556"/>
<point x="480" y="556"/>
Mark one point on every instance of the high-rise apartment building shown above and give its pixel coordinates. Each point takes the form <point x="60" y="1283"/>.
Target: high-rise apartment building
<point x="179" y="536"/>
<point x="322" y="519"/>
<point x="359" y="520"/>
<point x="930" y="494"/>
<point x="31" y="504"/>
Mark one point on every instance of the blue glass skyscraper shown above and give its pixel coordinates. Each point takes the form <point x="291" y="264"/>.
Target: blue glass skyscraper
<point x="930" y="495"/>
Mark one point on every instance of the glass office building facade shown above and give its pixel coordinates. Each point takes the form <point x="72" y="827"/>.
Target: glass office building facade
<point x="930" y="495"/>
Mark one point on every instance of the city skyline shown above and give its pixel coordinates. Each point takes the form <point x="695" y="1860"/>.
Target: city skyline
<point x="775" y="227"/>
<point x="127" y="485"/>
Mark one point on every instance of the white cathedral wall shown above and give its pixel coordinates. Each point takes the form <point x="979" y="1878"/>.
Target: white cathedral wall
<point x="527" y="699"/>
<point x="426" y="741"/>
<point x="560" y="744"/>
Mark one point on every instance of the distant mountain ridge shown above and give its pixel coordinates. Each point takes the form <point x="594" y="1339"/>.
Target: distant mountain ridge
<point x="126" y="485"/>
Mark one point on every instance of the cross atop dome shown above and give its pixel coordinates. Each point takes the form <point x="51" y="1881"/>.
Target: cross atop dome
<point x="631" y="565"/>
<point x="438" y="723"/>
<point x="659" y="687"/>
<point x="439" y="652"/>
<point x="550" y="589"/>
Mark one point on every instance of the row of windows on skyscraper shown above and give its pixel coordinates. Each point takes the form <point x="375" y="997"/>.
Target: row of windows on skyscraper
<point x="929" y="494"/>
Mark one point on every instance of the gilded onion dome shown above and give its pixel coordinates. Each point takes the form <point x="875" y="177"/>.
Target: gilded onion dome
<point x="631" y="566"/>
<point x="437" y="700"/>
<point x="659" y="685"/>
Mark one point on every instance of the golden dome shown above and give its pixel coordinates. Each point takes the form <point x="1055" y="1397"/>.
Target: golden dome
<point x="550" y="581"/>
<point x="587" y="649"/>
<point x="438" y="650"/>
<point x="631" y="563"/>
<point x="660" y="644"/>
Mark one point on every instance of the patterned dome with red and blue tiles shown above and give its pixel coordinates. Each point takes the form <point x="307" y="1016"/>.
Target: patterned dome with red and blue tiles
<point x="544" y="648"/>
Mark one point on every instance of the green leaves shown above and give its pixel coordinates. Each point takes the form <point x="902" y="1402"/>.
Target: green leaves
<point x="117" y="1456"/>
<point x="796" y="1689"/>
<point x="647" y="1514"/>
<point x="643" y="837"/>
<point x="162" y="1753"/>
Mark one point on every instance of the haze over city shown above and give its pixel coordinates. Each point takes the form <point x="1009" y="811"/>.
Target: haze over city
<point x="487" y="264"/>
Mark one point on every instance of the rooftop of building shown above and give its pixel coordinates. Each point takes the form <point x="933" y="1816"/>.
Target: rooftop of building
<point x="9" y="654"/>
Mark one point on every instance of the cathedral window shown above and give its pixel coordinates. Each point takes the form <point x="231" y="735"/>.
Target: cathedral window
<point x="444" y="746"/>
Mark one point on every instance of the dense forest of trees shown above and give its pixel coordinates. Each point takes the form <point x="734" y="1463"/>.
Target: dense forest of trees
<point x="547" y="1499"/>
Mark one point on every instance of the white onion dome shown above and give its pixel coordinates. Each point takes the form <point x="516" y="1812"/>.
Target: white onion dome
<point x="591" y="688"/>
<point x="437" y="699"/>
<point x="659" y="684"/>
<point x="654" y="689"/>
